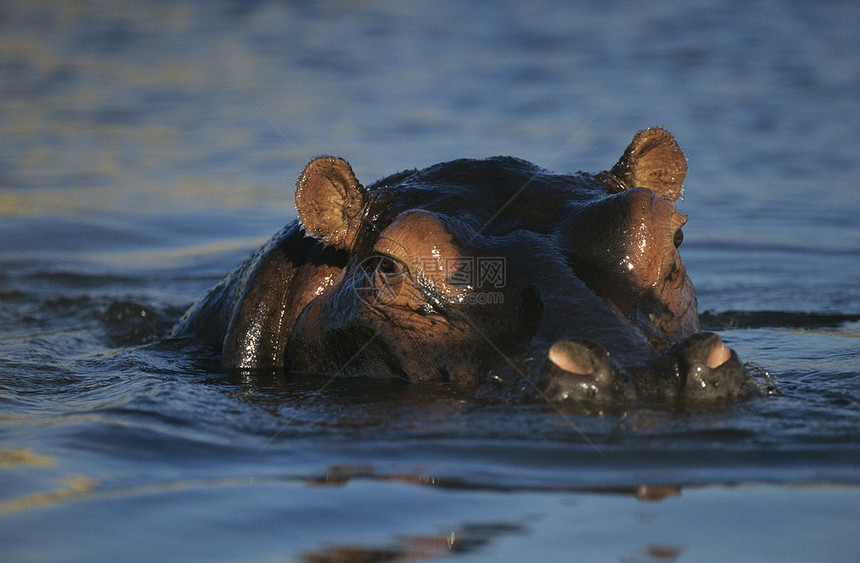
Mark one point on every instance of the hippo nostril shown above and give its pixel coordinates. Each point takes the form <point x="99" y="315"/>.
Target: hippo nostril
<point x="579" y="370"/>
<point x="709" y="369"/>
<point x="718" y="355"/>
<point x="560" y="354"/>
<point x="573" y="356"/>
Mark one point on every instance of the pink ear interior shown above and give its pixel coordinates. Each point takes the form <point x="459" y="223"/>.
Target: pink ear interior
<point x="653" y="160"/>
<point x="330" y="201"/>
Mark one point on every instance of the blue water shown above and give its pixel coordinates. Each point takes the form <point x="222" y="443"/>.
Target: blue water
<point x="147" y="147"/>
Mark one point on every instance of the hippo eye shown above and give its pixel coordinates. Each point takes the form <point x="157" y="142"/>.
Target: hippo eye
<point x="384" y="276"/>
<point x="386" y="269"/>
<point x="679" y="238"/>
<point x="388" y="266"/>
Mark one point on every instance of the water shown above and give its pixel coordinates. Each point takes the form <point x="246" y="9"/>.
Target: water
<point x="147" y="147"/>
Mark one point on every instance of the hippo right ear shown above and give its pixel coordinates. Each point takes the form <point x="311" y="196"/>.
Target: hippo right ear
<point x="653" y="160"/>
<point x="330" y="201"/>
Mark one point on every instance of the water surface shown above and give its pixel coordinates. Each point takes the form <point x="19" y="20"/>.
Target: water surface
<point x="147" y="147"/>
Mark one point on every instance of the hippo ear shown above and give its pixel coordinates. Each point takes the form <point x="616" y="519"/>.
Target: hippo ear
<point x="653" y="160"/>
<point x="330" y="201"/>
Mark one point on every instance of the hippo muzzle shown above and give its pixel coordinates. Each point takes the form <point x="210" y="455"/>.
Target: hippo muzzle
<point x="701" y="368"/>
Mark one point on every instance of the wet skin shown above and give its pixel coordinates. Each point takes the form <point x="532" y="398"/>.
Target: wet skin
<point x="493" y="273"/>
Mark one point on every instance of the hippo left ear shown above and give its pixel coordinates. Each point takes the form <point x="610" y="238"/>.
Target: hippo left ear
<point x="653" y="160"/>
<point x="330" y="201"/>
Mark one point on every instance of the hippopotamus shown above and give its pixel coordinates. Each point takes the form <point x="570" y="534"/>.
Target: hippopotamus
<point x="491" y="273"/>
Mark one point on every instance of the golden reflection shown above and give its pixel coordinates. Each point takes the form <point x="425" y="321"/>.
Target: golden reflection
<point x="167" y="256"/>
<point x="73" y="487"/>
<point x="10" y="458"/>
<point x="78" y="487"/>
<point x="186" y="195"/>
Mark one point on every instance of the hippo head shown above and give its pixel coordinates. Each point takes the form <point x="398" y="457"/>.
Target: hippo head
<point x="498" y="272"/>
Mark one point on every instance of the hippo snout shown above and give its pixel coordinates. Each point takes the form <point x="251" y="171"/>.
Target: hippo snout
<point x="701" y="367"/>
<point x="708" y="369"/>
<point x="581" y="370"/>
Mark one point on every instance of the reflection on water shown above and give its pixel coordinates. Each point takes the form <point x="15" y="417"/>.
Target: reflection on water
<point x="146" y="148"/>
